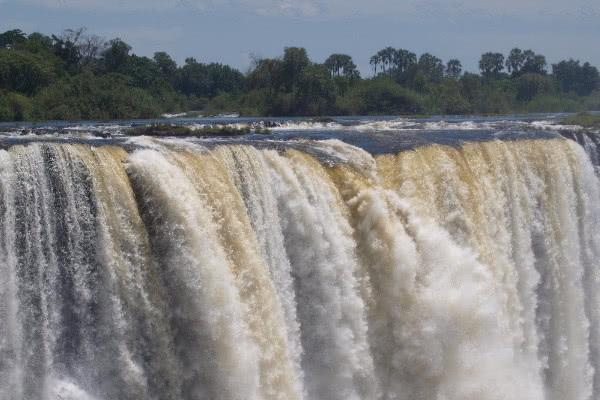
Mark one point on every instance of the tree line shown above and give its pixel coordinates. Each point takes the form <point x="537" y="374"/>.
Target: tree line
<point x="79" y="75"/>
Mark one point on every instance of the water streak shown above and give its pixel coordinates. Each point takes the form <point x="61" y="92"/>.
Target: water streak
<point x="177" y="272"/>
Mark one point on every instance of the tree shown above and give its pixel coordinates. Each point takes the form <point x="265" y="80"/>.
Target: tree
<point x="116" y="54"/>
<point x="267" y="74"/>
<point x="143" y="71"/>
<point x="66" y="47"/>
<point x="316" y="93"/>
<point x="295" y="60"/>
<point x="207" y="80"/>
<point x="574" y="77"/>
<point x="24" y="72"/>
<point x="193" y="78"/>
<point x="385" y="58"/>
<point x="388" y="56"/>
<point x="470" y="86"/>
<point x="341" y="65"/>
<point x="375" y="61"/>
<point x="432" y="67"/>
<point x="90" y="48"/>
<point x="224" y="78"/>
<point x="14" y="107"/>
<point x="491" y="65"/>
<point x="533" y="63"/>
<point x="38" y="43"/>
<point x="403" y="60"/>
<point x="453" y="69"/>
<point x="589" y="79"/>
<point x="87" y="96"/>
<point x="167" y="66"/>
<point x="530" y="85"/>
<point x="10" y="39"/>
<point x="515" y="61"/>
<point x="380" y="95"/>
<point x="448" y="98"/>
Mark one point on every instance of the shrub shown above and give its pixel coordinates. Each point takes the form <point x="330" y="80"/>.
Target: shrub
<point x="14" y="107"/>
<point x="86" y="96"/>
<point x="380" y="96"/>
<point x="553" y="103"/>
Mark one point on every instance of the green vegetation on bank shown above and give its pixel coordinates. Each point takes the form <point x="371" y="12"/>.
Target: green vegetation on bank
<point x="77" y="75"/>
<point x="584" y="119"/>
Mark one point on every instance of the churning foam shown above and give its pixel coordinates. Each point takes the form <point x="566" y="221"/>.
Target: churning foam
<point x="175" y="271"/>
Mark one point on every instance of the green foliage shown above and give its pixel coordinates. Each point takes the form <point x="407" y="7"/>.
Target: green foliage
<point x="14" y="107"/>
<point x="267" y="74"/>
<point x="257" y="102"/>
<point x="295" y="60"/>
<point x="12" y="38"/>
<point x="316" y="91"/>
<point x="207" y="80"/>
<point x="533" y="63"/>
<point x="116" y="56"/>
<point x="491" y="65"/>
<point x="592" y="102"/>
<point x="530" y="85"/>
<point x="448" y="99"/>
<point x="553" y="103"/>
<point x="39" y="44"/>
<point x="341" y="65"/>
<point x="584" y="119"/>
<point x="223" y="103"/>
<point x="24" y="72"/>
<point x="144" y="72"/>
<point x="453" y="69"/>
<point x="431" y="67"/>
<point x="380" y="96"/>
<point x="67" y="50"/>
<point x="573" y="77"/>
<point x="521" y="62"/>
<point x="86" y="96"/>
<point x="470" y="87"/>
<point x="166" y="65"/>
<point x="76" y="75"/>
<point x="515" y="61"/>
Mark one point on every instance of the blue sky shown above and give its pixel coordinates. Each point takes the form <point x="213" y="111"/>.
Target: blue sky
<point x="232" y="31"/>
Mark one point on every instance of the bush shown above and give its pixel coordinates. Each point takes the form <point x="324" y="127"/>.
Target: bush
<point x="223" y="103"/>
<point x="584" y="119"/>
<point x="380" y="96"/>
<point x="494" y="100"/>
<point x="24" y="72"/>
<point x="592" y="102"/>
<point x="529" y="86"/>
<point x="447" y="99"/>
<point x="14" y="107"/>
<point x="86" y="96"/>
<point x="553" y="103"/>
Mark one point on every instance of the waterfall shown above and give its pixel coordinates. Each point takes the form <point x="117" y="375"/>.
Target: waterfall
<point x="176" y="271"/>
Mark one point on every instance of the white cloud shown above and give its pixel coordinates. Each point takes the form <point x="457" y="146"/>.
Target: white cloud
<point x="333" y="8"/>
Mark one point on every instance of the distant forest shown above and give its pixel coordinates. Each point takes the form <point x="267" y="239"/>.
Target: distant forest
<point x="78" y="75"/>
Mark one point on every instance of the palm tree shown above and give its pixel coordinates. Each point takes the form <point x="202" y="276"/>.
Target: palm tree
<point x="375" y="60"/>
<point x="403" y="59"/>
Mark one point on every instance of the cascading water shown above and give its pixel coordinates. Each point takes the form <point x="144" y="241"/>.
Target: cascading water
<point x="171" y="271"/>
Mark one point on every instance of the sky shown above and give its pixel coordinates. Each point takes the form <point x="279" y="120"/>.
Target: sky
<point x="235" y="31"/>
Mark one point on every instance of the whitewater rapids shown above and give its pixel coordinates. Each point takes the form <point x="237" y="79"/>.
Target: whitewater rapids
<point x="468" y="272"/>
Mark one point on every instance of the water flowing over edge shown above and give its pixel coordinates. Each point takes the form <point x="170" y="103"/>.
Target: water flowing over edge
<point x="174" y="271"/>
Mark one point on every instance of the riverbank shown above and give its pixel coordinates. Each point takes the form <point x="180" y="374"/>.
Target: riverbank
<point x="40" y="80"/>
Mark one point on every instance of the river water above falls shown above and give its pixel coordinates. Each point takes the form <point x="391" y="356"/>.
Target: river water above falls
<point x="343" y="259"/>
